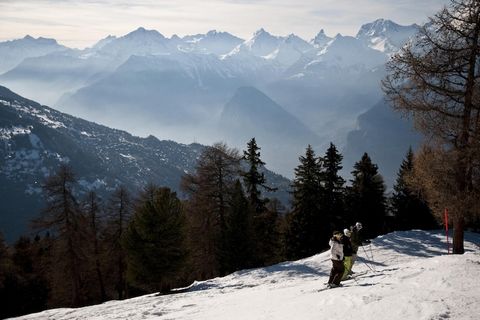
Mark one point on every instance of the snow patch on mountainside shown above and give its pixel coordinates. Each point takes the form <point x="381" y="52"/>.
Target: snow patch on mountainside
<point x="44" y="118"/>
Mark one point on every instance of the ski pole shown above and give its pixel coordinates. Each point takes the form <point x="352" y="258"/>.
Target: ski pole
<point x="371" y="252"/>
<point x="368" y="258"/>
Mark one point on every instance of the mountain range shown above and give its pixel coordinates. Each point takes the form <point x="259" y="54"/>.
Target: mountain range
<point x="35" y="139"/>
<point x="286" y="91"/>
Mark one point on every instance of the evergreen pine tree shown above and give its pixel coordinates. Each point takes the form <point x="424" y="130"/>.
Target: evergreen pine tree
<point x="334" y="190"/>
<point x="367" y="200"/>
<point x="155" y="241"/>
<point x="252" y="178"/>
<point x="240" y="246"/>
<point x="410" y="209"/>
<point x="305" y="230"/>
<point x="31" y="291"/>
<point x="264" y="220"/>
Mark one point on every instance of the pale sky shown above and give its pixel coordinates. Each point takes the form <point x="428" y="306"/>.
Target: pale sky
<point x="81" y="23"/>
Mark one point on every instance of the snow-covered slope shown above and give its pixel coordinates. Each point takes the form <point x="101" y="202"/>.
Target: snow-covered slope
<point x="401" y="275"/>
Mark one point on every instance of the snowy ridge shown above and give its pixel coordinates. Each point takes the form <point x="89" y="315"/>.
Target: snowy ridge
<point x="411" y="277"/>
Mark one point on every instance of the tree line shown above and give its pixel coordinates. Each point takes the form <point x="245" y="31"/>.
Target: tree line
<point x="91" y="250"/>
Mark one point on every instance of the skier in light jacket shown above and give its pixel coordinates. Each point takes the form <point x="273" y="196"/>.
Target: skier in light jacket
<point x="356" y="241"/>
<point x="336" y="251"/>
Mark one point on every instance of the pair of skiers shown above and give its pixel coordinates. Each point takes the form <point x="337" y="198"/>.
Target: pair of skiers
<point x="343" y="249"/>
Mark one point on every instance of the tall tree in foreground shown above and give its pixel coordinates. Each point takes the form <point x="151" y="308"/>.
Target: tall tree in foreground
<point x="63" y="218"/>
<point x="209" y="190"/>
<point x="155" y="241"/>
<point x="240" y="245"/>
<point x="119" y="214"/>
<point x="366" y="197"/>
<point x="410" y="208"/>
<point x="334" y="190"/>
<point x="264" y="224"/>
<point x="305" y="226"/>
<point x="435" y="79"/>
<point x="92" y="209"/>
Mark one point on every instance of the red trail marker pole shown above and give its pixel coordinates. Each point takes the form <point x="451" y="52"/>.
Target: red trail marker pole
<point x="446" y="230"/>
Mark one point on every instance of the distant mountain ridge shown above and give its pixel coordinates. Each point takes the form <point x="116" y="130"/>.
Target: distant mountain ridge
<point x="178" y="87"/>
<point x="15" y="51"/>
<point x="35" y="139"/>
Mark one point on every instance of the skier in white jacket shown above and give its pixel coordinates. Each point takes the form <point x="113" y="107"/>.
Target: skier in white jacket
<point x="336" y="251"/>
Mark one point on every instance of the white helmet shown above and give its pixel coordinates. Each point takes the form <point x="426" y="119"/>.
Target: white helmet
<point x="358" y="225"/>
<point x="347" y="232"/>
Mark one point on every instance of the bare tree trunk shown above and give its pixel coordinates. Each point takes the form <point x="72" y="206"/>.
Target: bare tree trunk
<point x="458" y="228"/>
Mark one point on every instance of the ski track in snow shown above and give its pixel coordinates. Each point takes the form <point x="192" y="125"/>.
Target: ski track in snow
<point x="412" y="278"/>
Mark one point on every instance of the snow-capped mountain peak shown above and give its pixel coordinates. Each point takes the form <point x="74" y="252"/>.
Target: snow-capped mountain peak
<point x="216" y="42"/>
<point x="261" y="32"/>
<point x="321" y="39"/>
<point x="138" y="42"/>
<point x="378" y="27"/>
<point x="261" y="44"/>
<point x="347" y="51"/>
<point x="386" y="35"/>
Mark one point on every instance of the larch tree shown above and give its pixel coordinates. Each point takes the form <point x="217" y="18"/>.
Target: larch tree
<point x="119" y="213"/>
<point x="435" y="79"/>
<point x="92" y="209"/>
<point x="209" y="190"/>
<point x="63" y="218"/>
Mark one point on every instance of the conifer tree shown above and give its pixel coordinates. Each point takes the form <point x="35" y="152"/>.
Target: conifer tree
<point x="31" y="291"/>
<point x="410" y="209"/>
<point x="367" y="200"/>
<point x="240" y="246"/>
<point x="305" y="230"/>
<point x="155" y="241"/>
<point x="264" y="221"/>
<point x="252" y="178"/>
<point x="334" y="190"/>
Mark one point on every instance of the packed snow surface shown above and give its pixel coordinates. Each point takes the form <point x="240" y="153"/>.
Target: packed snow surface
<point x="401" y="275"/>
